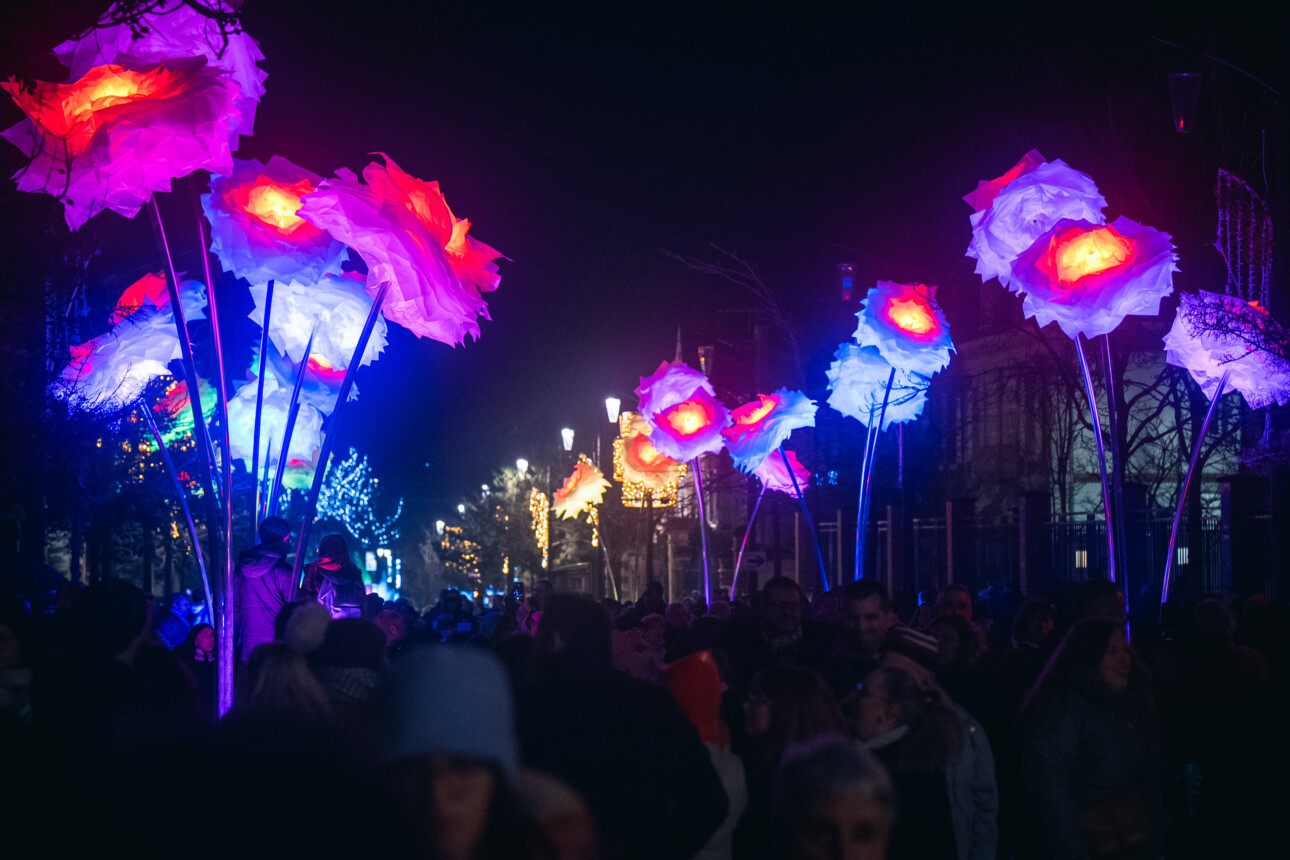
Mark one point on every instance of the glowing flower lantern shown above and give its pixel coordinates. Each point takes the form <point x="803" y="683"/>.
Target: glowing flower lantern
<point x="684" y="416"/>
<point x="1261" y="378"/>
<point x="112" y="370"/>
<point x="122" y="131"/>
<point x="648" y="476"/>
<point x="332" y="309"/>
<point x="1087" y="277"/>
<point x="1012" y="211"/>
<point x="320" y="387"/>
<point x="582" y="491"/>
<point x="255" y="231"/>
<point x="306" y="436"/>
<point x="760" y="427"/>
<point x="907" y="326"/>
<point x="411" y="240"/>
<point x="173" y="29"/>
<point x="175" y="406"/>
<point x="858" y="382"/>
<point x="774" y="474"/>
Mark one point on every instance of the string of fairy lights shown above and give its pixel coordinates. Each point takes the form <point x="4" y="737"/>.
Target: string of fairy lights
<point x="350" y="495"/>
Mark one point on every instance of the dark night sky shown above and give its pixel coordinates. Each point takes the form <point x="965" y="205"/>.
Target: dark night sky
<point x="585" y="142"/>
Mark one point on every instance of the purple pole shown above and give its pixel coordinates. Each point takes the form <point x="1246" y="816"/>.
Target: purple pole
<point x="810" y="525"/>
<point x="1182" y="495"/>
<point x="293" y="411"/>
<point x="311" y="506"/>
<point x="871" y="453"/>
<point x="739" y="560"/>
<point x="1117" y="468"/>
<point x="1091" y="393"/>
<point x="259" y="408"/>
<point x="703" y="530"/>
<point x="870" y="436"/>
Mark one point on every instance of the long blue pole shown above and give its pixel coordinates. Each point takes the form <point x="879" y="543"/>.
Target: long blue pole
<point x="810" y="524"/>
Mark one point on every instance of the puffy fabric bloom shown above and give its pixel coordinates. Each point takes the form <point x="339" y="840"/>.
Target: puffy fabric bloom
<point x="112" y="370"/>
<point x="1010" y="212"/>
<point x="336" y="305"/>
<point x="255" y="231"/>
<point x="907" y="326"/>
<point x="435" y="271"/>
<point x="173" y="30"/>
<point x="684" y="416"/>
<point x="1207" y="355"/>
<point x="760" y="427"/>
<point x="122" y="131"/>
<point x="642" y="463"/>
<point x="321" y="385"/>
<point x="774" y="475"/>
<point x="1088" y="277"/>
<point x="306" y="435"/>
<point x="858" y="381"/>
<point x="582" y="490"/>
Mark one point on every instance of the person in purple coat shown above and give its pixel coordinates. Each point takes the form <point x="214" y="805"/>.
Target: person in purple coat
<point x="263" y="581"/>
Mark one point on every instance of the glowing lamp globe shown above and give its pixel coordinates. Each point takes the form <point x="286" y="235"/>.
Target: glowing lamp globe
<point x="760" y="427"/>
<point x="1087" y="277"/>
<point x="906" y="326"/>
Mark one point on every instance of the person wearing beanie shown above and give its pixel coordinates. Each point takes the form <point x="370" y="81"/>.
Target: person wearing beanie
<point x="446" y="740"/>
<point x="348" y="664"/>
<point x="695" y="683"/>
<point x="334" y="580"/>
<point x="263" y="582"/>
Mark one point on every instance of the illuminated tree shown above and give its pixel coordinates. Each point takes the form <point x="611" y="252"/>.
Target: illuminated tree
<point x="351" y="497"/>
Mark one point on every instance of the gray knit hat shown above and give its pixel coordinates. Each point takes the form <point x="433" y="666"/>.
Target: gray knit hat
<point x="449" y="700"/>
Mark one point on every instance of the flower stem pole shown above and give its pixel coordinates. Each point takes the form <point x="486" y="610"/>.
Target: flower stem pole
<point x="609" y="569"/>
<point x="259" y="409"/>
<point x="739" y="560"/>
<point x="866" y="478"/>
<point x="1091" y="393"/>
<point x="225" y="665"/>
<point x="1117" y="470"/>
<point x="810" y="524"/>
<point x="1182" y="494"/>
<point x="183" y="503"/>
<point x="330" y="440"/>
<point x="293" y="412"/>
<point x="870" y="436"/>
<point x="703" y="530"/>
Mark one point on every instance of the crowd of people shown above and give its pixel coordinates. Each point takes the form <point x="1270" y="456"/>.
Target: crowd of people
<point x="555" y="725"/>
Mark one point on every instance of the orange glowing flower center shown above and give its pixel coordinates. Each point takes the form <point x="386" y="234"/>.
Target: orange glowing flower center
<point x="1078" y="253"/>
<point x="911" y="315"/>
<point x="70" y="111"/>
<point x="317" y="362"/>
<point x="647" y="453"/>
<point x="275" y="204"/>
<point x="688" y="418"/>
<point x="764" y="407"/>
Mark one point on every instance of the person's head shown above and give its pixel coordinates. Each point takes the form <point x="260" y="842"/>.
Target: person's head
<point x="19" y="641"/>
<point x="832" y="800"/>
<point x="1033" y="623"/>
<point x="789" y="704"/>
<point x="274" y="531"/>
<point x="1093" y="651"/>
<point x="678" y="616"/>
<point x="719" y="609"/>
<point x="574" y="625"/>
<point x="277" y="685"/>
<point x="452" y="602"/>
<point x="914" y="652"/>
<point x="351" y="643"/>
<point x="200" y="644"/>
<point x="956" y="641"/>
<point x="391" y="624"/>
<point x="890" y="699"/>
<point x="333" y="547"/>
<point x="180" y="605"/>
<point x="1100" y="598"/>
<point x="446" y="734"/>
<point x="867" y="615"/>
<point x="781" y="600"/>
<point x="955" y="599"/>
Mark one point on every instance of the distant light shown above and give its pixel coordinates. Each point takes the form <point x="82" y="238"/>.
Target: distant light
<point x="438" y="526"/>
<point x="1184" y="95"/>
<point x="461" y="509"/>
<point x="485" y="489"/>
<point x="846" y="280"/>
<point x="567" y="436"/>
<point x="522" y="466"/>
<point x="612" y="405"/>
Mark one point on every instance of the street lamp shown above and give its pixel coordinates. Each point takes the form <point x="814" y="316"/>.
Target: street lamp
<point x="611" y="408"/>
<point x="461" y="509"/>
<point x="522" y="466"/>
<point x="567" y="436"/>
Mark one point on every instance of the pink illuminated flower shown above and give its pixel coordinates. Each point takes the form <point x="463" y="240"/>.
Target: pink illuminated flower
<point x="774" y="475"/>
<point x="1012" y="211"/>
<point x="111" y="371"/>
<point x="333" y="309"/>
<point x="760" y="427"/>
<point x="582" y="490"/>
<point x="685" y="417"/>
<point x="409" y="239"/>
<point x="644" y="464"/>
<point x="173" y="29"/>
<point x="907" y="326"/>
<point x="1207" y="354"/>
<point x="255" y="230"/>
<point x="1087" y="277"/>
<point x="858" y="381"/>
<point x="306" y="436"/>
<point x="122" y="131"/>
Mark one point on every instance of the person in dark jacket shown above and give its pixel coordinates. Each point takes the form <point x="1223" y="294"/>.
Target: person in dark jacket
<point x="624" y="745"/>
<point x="263" y="580"/>
<point x="1089" y="749"/>
<point x="334" y="580"/>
